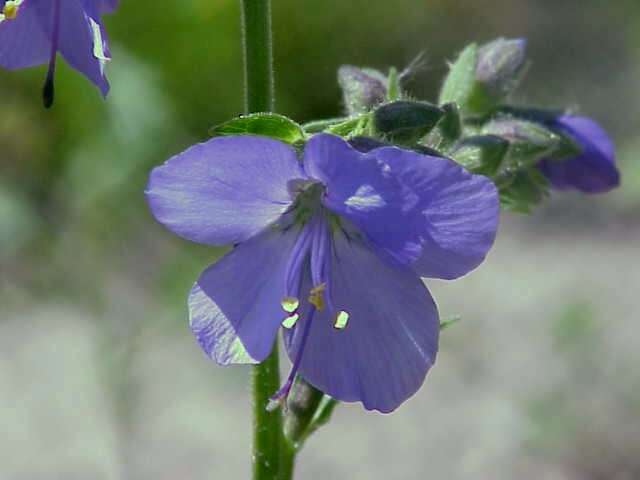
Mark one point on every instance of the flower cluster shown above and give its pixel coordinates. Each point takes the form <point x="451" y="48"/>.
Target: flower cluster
<point x="33" y="32"/>
<point x="334" y="223"/>
<point x="525" y="150"/>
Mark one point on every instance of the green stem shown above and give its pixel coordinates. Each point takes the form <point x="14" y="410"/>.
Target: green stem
<point x="267" y="425"/>
<point x="258" y="73"/>
<point x="258" y="55"/>
<point x="287" y="460"/>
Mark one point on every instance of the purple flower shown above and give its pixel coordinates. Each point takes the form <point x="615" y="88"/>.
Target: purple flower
<point x="594" y="169"/>
<point x="332" y="248"/>
<point x="32" y="32"/>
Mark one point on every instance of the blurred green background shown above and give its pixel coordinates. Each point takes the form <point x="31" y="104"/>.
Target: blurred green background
<point x="99" y="375"/>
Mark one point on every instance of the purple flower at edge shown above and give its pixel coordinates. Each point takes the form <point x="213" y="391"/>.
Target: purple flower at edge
<point x="332" y="249"/>
<point x="33" y="32"/>
<point x="594" y="169"/>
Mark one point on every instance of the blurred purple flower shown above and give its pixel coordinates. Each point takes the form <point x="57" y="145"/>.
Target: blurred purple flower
<point x="32" y="32"/>
<point x="332" y="248"/>
<point x="594" y="169"/>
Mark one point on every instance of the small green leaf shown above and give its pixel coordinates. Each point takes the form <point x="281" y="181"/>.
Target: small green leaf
<point x="448" y="321"/>
<point x="460" y="81"/>
<point x="267" y="124"/>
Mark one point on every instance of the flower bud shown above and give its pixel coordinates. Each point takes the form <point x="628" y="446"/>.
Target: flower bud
<point x="406" y="121"/>
<point x="482" y="77"/>
<point x="499" y="65"/>
<point x="529" y="140"/>
<point x="362" y="88"/>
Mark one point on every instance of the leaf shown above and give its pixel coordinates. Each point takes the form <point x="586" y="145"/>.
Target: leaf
<point x="267" y="124"/>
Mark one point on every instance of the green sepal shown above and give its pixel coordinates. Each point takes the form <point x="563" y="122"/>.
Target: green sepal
<point x="566" y="147"/>
<point x="394" y="90"/>
<point x="268" y="124"/>
<point x="459" y="83"/>
<point x="450" y="125"/>
<point x="481" y="154"/>
<point x="524" y="190"/>
<point x="351" y="126"/>
<point x="530" y="141"/>
<point x="317" y="126"/>
<point x="539" y="115"/>
<point x="405" y="122"/>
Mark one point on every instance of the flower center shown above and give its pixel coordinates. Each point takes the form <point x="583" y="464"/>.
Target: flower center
<point x="313" y="249"/>
<point x="307" y="201"/>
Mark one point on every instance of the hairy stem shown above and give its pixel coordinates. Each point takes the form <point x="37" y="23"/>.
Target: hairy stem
<point x="267" y="425"/>
<point x="258" y="55"/>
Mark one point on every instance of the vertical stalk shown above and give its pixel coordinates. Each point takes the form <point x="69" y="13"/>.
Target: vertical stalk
<point x="258" y="55"/>
<point x="265" y="378"/>
<point x="267" y="425"/>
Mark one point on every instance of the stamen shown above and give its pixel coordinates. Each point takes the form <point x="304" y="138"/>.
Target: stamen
<point x="290" y="304"/>
<point x="316" y="296"/>
<point x="340" y="320"/>
<point x="290" y="321"/>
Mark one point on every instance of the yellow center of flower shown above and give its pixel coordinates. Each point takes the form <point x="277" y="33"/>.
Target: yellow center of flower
<point x="10" y="10"/>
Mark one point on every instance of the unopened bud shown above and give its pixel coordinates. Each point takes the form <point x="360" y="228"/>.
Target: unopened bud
<point x="499" y="65"/>
<point x="405" y="121"/>
<point x="482" y="76"/>
<point x="362" y="88"/>
<point x="529" y="140"/>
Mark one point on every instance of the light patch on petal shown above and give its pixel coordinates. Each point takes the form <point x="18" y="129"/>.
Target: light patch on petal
<point x="214" y="331"/>
<point x="364" y="199"/>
